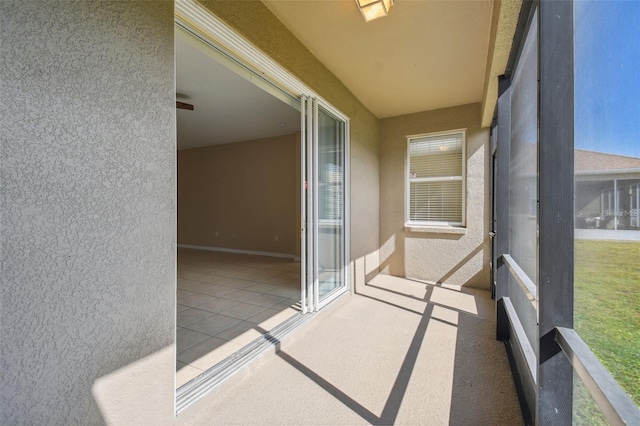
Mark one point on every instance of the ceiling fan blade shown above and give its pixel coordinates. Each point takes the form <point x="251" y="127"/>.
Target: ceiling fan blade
<point x="183" y="105"/>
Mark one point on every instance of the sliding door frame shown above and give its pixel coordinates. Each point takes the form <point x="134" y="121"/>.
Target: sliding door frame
<point x="310" y="142"/>
<point x="240" y="54"/>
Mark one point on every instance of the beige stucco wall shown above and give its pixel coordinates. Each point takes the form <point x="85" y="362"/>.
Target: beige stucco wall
<point x="240" y="195"/>
<point x="89" y="203"/>
<point x="88" y="288"/>
<point x="255" y="22"/>
<point x="439" y="257"/>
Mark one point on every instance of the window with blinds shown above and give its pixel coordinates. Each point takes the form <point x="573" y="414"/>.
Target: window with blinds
<point x="435" y="179"/>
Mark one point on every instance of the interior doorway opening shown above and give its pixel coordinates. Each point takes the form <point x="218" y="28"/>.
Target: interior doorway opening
<point x="239" y="244"/>
<point x="251" y="139"/>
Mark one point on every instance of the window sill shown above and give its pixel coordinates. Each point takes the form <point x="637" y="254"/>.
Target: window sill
<point x="436" y="229"/>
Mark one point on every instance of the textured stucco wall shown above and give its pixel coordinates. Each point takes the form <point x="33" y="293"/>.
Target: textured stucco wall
<point x="255" y="22"/>
<point x="88" y="212"/>
<point x="450" y="258"/>
<point x="240" y="195"/>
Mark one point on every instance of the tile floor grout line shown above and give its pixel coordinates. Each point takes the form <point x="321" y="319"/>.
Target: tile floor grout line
<point x="209" y="286"/>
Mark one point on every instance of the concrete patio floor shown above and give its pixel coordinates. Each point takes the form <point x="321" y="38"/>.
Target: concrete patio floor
<point x="398" y="351"/>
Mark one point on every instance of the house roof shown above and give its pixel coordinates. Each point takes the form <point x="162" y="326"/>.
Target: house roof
<point x="586" y="162"/>
<point x="597" y="161"/>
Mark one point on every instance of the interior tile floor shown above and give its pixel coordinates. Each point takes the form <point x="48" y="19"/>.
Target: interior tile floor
<point x="227" y="300"/>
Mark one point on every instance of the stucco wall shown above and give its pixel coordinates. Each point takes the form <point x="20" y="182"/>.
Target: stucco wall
<point x="88" y="195"/>
<point x="439" y="257"/>
<point x="240" y="195"/>
<point x="88" y="212"/>
<point x="255" y="22"/>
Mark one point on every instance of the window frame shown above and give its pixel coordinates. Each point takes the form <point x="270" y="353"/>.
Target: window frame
<point x="408" y="223"/>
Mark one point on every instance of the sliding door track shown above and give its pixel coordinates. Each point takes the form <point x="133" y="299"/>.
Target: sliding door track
<point x="193" y="390"/>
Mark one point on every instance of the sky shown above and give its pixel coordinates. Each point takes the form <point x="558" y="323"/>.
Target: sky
<point x="607" y="76"/>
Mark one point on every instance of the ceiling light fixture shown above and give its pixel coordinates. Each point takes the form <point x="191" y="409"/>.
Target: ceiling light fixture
<point x="374" y="9"/>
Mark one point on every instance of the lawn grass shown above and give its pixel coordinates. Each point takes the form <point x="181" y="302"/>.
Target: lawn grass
<point x="607" y="307"/>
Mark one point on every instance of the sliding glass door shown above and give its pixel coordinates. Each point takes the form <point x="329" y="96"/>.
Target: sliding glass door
<point x="324" y="210"/>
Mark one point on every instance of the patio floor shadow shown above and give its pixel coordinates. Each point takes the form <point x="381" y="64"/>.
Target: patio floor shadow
<point x="400" y="351"/>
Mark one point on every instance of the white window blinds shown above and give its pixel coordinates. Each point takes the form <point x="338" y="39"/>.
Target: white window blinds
<point x="435" y="179"/>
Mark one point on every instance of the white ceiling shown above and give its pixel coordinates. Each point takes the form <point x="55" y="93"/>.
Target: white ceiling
<point x="227" y="107"/>
<point x="426" y="54"/>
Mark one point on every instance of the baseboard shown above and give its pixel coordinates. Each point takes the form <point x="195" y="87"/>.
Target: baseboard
<point x="240" y="251"/>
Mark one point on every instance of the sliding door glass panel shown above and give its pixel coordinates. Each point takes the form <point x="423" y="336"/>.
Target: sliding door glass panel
<point x="305" y="238"/>
<point x="331" y="205"/>
<point x="607" y="189"/>
<point x="523" y="239"/>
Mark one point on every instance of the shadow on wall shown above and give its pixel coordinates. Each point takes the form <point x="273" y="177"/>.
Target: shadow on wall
<point x="364" y="269"/>
<point x="467" y="258"/>
<point x="396" y="245"/>
<point x="433" y="256"/>
<point x="394" y="248"/>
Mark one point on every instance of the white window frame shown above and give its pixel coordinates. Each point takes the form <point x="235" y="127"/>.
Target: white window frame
<point x="407" y="182"/>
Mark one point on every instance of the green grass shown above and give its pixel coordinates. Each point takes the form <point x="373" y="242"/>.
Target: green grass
<point x="585" y="410"/>
<point x="607" y="307"/>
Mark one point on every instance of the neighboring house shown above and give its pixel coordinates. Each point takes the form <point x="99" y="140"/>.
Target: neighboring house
<point x="607" y="191"/>
<point x="607" y="194"/>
